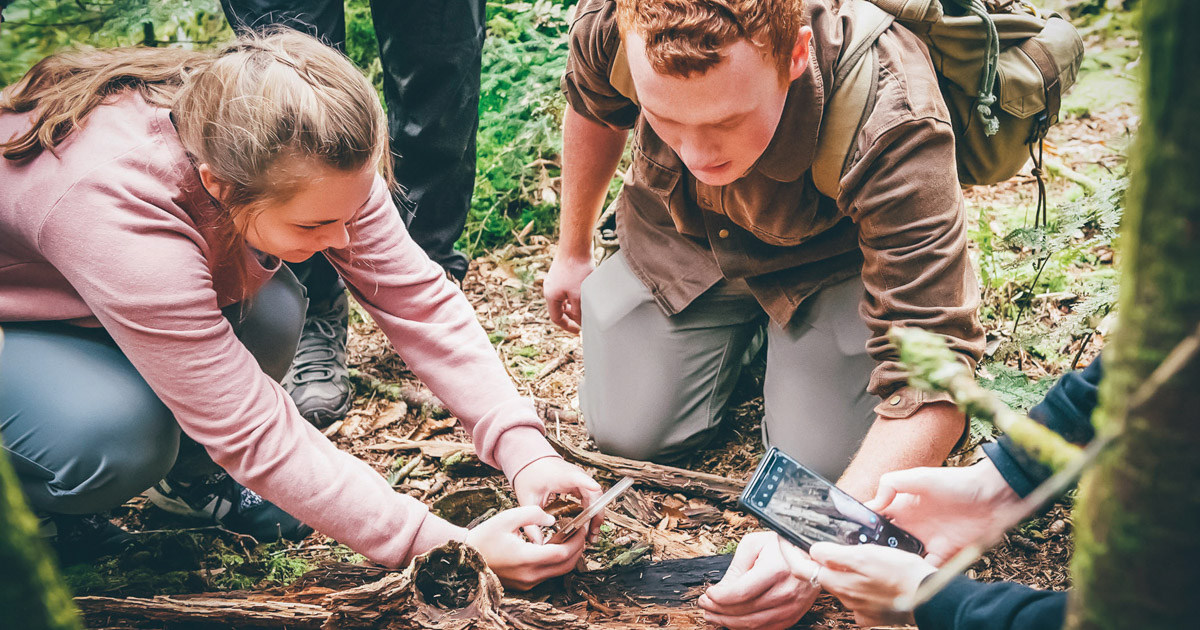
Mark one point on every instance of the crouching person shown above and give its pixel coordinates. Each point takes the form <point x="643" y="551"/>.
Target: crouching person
<point x="735" y="233"/>
<point x="150" y="197"/>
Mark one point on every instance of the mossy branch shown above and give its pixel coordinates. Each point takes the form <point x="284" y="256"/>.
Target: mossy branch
<point x="932" y="366"/>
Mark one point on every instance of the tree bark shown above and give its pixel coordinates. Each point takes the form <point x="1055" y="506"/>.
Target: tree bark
<point x="32" y="595"/>
<point x="1137" y="559"/>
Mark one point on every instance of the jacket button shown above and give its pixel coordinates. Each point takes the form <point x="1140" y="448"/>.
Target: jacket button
<point x="723" y="233"/>
<point x="894" y="401"/>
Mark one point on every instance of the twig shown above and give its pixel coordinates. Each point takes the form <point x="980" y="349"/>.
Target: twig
<point x="932" y="367"/>
<point x="400" y="475"/>
<point x="714" y="487"/>
<point x="1057" y="167"/>
<point x="550" y="367"/>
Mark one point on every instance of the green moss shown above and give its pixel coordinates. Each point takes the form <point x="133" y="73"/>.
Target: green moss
<point x="1106" y="81"/>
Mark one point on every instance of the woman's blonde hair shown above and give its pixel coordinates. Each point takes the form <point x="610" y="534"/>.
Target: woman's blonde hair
<point x="257" y="111"/>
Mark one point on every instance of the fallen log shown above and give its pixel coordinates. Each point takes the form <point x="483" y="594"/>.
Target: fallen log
<point x="448" y="588"/>
<point x="235" y="613"/>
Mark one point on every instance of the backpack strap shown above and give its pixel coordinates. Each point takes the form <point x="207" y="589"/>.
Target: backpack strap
<point x="851" y="93"/>
<point x="929" y="11"/>
<point x="1050" y="77"/>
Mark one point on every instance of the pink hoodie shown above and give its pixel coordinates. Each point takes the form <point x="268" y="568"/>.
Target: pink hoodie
<point x="106" y="233"/>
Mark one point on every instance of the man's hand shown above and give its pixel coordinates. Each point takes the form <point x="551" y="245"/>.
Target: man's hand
<point x="947" y="508"/>
<point x="519" y="564"/>
<point x="537" y="482"/>
<point x="758" y="591"/>
<point x="867" y="579"/>
<point x="562" y="289"/>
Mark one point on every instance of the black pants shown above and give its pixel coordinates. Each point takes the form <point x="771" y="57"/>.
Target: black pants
<point x="431" y="52"/>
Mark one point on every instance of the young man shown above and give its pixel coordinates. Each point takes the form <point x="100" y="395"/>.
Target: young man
<point x="725" y="239"/>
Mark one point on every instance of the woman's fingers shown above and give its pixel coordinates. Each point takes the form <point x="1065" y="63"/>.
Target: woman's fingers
<point x="517" y="518"/>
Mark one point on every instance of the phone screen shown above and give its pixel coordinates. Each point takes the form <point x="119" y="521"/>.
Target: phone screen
<point x="807" y="508"/>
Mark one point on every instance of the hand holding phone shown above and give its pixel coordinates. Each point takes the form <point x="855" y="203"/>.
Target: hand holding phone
<point x="805" y="508"/>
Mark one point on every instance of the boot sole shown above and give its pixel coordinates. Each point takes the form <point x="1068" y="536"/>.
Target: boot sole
<point x="175" y="506"/>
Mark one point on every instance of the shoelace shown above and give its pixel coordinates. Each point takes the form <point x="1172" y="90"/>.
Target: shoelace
<point x="315" y="354"/>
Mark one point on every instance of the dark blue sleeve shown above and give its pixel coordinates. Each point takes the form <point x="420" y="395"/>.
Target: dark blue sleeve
<point x="1067" y="410"/>
<point x="969" y="605"/>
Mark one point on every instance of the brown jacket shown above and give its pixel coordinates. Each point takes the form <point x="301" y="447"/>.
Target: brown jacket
<point x="899" y="219"/>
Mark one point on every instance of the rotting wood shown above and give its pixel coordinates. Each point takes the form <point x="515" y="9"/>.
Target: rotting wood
<point x="659" y="594"/>
<point x="239" y="613"/>
<point x="668" y="543"/>
<point x="449" y="588"/>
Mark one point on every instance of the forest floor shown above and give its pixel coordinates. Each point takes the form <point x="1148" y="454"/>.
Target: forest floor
<point x="505" y="286"/>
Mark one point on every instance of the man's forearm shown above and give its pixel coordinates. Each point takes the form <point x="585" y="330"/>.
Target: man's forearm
<point x="591" y="152"/>
<point x="923" y="439"/>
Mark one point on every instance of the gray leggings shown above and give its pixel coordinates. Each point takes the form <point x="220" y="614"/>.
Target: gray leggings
<point x="81" y="426"/>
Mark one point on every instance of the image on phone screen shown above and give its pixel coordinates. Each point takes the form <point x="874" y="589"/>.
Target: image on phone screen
<point x="807" y="508"/>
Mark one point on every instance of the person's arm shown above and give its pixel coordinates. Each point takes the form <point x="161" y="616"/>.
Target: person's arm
<point x="595" y="127"/>
<point x="591" y="152"/>
<point x="136" y="259"/>
<point x="433" y="327"/>
<point x="923" y="439"/>
<point x="867" y="579"/>
<point x="1067" y="410"/>
<point x="904" y="196"/>
<point x="968" y="605"/>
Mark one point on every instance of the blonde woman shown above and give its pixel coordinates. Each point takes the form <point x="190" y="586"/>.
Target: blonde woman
<point x="149" y="197"/>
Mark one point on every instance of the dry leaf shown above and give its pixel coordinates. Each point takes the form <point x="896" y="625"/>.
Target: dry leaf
<point x="434" y="426"/>
<point x="389" y="415"/>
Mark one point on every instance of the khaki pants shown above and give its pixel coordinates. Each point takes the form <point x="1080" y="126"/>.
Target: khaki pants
<point x="656" y="387"/>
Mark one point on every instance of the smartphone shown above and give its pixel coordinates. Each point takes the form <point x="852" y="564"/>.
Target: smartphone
<point x="805" y="508"/>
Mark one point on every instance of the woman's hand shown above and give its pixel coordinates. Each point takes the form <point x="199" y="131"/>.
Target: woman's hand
<point x="867" y="579"/>
<point x="758" y="591"/>
<point x="947" y="508"/>
<point x="537" y="482"/>
<point x="518" y="563"/>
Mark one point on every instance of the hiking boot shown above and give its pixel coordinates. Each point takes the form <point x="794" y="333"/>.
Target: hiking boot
<point x="318" y="380"/>
<point x="83" y="537"/>
<point x="220" y="499"/>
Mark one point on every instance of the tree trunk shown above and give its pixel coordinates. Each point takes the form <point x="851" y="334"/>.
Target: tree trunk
<point x="32" y="596"/>
<point x="1137" y="558"/>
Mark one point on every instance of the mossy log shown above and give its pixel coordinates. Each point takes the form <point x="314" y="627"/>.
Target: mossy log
<point x="1138" y="513"/>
